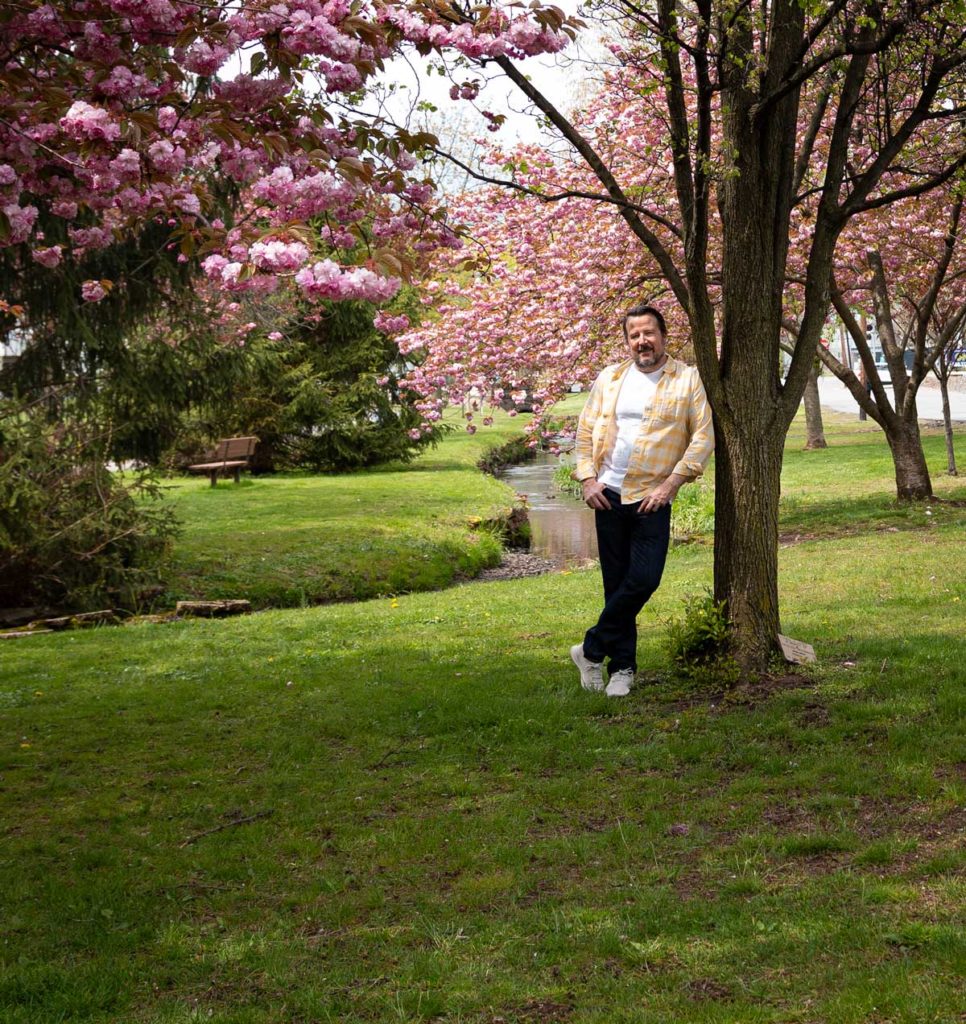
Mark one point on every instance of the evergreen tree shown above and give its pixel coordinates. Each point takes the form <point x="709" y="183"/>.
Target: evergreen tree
<point x="321" y="393"/>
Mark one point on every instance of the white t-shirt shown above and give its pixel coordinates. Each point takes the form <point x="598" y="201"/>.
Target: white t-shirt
<point x="636" y="395"/>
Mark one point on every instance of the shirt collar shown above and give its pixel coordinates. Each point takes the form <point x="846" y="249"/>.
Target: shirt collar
<point x="670" y="366"/>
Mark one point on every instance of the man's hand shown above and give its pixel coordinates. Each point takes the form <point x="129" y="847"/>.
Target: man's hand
<point x="663" y="494"/>
<point x="594" y="493"/>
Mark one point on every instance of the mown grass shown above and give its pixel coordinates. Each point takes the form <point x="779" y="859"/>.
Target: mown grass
<point x="295" y="540"/>
<point x="407" y="810"/>
<point x="298" y="540"/>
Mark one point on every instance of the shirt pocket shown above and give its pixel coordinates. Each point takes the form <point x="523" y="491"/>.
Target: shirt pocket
<point x="670" y="409"/>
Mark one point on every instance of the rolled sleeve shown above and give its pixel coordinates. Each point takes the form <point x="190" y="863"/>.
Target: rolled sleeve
<point x="695" y="458"/>
<point x="584" y="440"/>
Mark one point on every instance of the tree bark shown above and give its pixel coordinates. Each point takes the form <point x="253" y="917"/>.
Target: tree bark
<point x="748" y="477"/>
<point x="912" y="473"/>
<point x="814" y="428"/>
<point x="948" y="425"/>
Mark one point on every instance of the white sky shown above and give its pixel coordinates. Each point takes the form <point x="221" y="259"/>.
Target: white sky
<point x="562" y="77"/>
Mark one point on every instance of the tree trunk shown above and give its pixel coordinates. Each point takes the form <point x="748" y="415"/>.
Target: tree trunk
<point x="948" y="426"/>
<point x="814" y="428"/>
<point x="912" y="473"/>
<point x="748" y="486"/>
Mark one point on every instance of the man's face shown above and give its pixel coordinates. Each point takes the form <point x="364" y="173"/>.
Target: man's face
<point x="645" y="343"/>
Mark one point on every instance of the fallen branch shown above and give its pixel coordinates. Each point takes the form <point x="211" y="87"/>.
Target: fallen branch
<point x="227" y="824"/>
<point x="385" y="757"/>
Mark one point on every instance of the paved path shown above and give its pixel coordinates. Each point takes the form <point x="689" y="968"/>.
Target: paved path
<point x="835" y="395"/>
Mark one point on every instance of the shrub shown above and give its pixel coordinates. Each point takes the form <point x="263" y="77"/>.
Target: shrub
<point x="73" y="534"/>
<point x="699" y="643"/>
<point x="514" y="452"/>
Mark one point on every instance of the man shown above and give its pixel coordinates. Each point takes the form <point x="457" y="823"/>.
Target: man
<point x="644" y="431"/>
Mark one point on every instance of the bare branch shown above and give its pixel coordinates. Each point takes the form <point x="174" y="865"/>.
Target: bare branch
<point x="604" y="175"/>
<point x="547" y="197"/>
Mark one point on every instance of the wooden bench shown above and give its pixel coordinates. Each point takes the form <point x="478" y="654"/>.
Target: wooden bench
<point x="232" y="455"/>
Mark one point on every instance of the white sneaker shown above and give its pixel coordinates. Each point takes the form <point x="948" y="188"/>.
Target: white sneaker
<point x="620" y="682"/>
<point x="590" y="671"/>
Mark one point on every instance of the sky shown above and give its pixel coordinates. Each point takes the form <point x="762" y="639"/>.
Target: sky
<point x="562" y="77"/>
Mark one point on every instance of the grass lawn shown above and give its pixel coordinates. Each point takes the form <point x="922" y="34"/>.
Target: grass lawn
<point x="295" y="540"/>
<point x="407" y="810"/>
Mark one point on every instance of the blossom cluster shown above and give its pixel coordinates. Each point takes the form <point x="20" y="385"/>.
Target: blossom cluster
<point x="147" y="122"/>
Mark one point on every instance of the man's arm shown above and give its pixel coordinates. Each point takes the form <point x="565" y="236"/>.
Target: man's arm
<point x="691" y="464"/>
<point x="584" y="471"/>
<point x="695" y="458"/>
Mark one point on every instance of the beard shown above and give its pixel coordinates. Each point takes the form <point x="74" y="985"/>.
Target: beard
<point x="647" y="360"/>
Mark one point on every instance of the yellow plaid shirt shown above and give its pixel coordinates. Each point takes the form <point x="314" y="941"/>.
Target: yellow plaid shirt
<point x="676" y="434"/>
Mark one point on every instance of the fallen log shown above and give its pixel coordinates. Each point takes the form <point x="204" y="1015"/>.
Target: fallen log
<point x="212" y="609"/>
<point x="77" y="621"/>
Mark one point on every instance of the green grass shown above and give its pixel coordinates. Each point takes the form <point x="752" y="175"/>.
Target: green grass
<point x="295" y="540"/>
<point x="407" y="810"/>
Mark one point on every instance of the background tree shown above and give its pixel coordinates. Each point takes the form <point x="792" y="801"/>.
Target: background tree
<point x="915" y="282"/>
<point x="951" y="358"/>
<point x="319" y="386"/>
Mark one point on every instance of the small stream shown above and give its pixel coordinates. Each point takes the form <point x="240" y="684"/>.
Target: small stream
<point x="562" y="527"/>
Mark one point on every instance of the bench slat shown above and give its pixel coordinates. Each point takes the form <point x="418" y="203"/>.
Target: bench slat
<point x="231" y="453"/>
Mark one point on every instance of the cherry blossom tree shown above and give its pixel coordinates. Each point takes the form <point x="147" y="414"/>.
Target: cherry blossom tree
<point x="778" y="123"/>
<point x="146" y="142"/>
<point x="909" y="267"/>
<point x="120" y="112"/>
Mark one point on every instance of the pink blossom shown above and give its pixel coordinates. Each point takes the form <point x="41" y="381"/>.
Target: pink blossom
<point x="49" y="258"/>
<point x="122" y="83"/>
<point x="341" y="77"/>
<point x="93" y="291"/>
<point x="21" y="220"/>
<point x="205" y="59"/>
<point x="90" y="238"/>
<point x="278" y="256"/>
<point x="189" y="203"/>
<point x="388" y="324"/>
<point x="127" y="164"/>
<point x="251" y="94"/>
<point x="329" y="281"/>
<point x="83" y="121"/>
<point x="166" y="157"/>
<point x="167" y="118"/>
<point x="64" y="208"/>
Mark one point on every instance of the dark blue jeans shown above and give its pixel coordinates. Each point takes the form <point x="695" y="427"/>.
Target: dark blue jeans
<point x="633" y="548"/>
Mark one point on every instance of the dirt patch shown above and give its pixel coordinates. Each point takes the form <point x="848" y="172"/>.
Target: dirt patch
<point x="554" y="830"/>
<point x="754" y="693"/>
<point x="537" y="1011"/>
<point x="814" y="715"/>
<point x="517" y="565"/>
<point x="701" y="989"/>
<point x="792" y="538"/>
<point x="956" y="771"/>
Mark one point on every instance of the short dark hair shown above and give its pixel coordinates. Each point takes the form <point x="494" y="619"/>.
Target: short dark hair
<point x="643" y="309"/>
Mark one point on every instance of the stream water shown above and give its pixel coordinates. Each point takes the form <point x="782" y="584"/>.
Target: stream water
<point x="561" y="527"/>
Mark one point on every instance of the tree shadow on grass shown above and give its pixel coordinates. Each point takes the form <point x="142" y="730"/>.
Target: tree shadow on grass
<point x="843" y="517"/>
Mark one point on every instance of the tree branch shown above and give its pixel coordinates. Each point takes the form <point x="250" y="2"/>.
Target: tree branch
<point x="604" y="175"/>
<point x="558" y="196"/>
